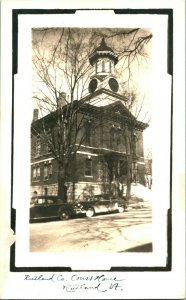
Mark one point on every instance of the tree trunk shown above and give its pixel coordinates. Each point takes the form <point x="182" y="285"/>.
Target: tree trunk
<point x="62" y="189"/>
<point x="129" y="175"/>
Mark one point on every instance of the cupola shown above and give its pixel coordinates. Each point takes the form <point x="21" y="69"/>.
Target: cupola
<point x="103" y="59"/>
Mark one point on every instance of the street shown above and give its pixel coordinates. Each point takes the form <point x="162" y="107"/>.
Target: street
<point x="118" y="232"/>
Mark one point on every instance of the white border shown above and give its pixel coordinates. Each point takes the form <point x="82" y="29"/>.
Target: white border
<point x="23" y="114"/>
<point x="162" y="280"/>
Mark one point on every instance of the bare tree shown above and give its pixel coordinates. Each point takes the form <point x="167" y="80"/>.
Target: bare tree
<point x="61" y="71"/>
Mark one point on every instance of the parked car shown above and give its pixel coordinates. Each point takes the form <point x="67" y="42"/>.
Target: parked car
<point x="100" y="204"/>
<point x="51" y="206"/>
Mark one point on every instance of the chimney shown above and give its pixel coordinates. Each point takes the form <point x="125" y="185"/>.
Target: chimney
<point x="35" y="114"/>
<point x="62" y="99"/>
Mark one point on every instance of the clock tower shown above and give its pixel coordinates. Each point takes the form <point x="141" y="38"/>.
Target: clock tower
<point x="103" y="59"/>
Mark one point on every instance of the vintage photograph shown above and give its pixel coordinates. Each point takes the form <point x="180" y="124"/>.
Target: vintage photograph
<point x="91" y="158"/>
<point x="92" y="168"/>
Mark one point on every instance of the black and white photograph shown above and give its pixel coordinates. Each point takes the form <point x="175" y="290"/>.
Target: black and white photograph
<point x="92" y="168"/>
<point x="88" y="161"/>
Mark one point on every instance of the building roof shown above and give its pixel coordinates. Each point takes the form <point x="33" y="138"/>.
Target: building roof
<point x="104" y="91"/>
<point x="103" y="47"/>
<point x="114" y="111"/>
<point x="103" y="51"/>
<point x="118" y="109"/>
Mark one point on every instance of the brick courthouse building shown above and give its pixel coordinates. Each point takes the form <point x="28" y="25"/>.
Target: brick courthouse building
<point x="113" y="140"/>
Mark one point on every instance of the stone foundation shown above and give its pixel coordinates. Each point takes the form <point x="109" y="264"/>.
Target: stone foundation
<point x="76" y="192"/>
<point x="81" y="190"/>
<point x="41" y="190"/>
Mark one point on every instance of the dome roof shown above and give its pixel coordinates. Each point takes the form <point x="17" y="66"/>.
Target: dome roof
<point x="103" y="47"/>
<point x="103" y="51"/>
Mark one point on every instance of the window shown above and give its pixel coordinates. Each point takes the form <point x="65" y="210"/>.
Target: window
<point x="118" y="139"/>
<point x="88" y="132"/>
<point x="110" y="65"/>
<point x="50" y="170"/>
<point x="38" y="172"/>
<point x="47" y="148"/>
<point x="112" y="137"/>
<point x="88" y="167"/>
<point x="38" y="146"/>
<point x="47" y="171"/>
<point x="49" y="142"/>
<point x="107" y="66"/>
<point x="99" y="66"/>
<point x="103" y="66"/>
<point x="34" y="173"/>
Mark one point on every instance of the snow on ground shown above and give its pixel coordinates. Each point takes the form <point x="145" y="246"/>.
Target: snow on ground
<point x="140" y="191"/>
<point x="141" y="196"/>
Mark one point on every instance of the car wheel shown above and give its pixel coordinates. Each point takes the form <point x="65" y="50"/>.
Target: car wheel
<point x="120" y="209"/>
<point x="90" y="212"/>
<point x="63" y="215"/>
